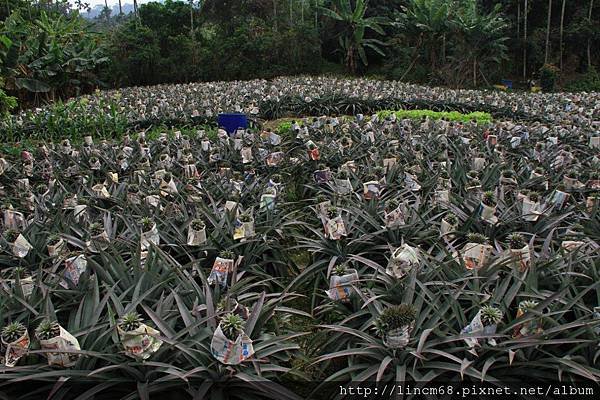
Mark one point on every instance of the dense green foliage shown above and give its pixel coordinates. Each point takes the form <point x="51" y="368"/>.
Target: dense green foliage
<point x="479" y="117"/>
<point x="50" y="55"/>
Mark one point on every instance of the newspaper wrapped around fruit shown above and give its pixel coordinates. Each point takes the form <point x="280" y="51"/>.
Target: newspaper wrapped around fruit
<point x="476" y="255"/>
<point x="395" y="217"/>
<point x="196" y="237"/>
<point x="75" y="266"/>
<point x="398" y="338"/>
<point x="487" y="213"/>
<point x="371" y="190"/>
<point x="62" y="343"/>
<point x="141" y="342"/>
<point x="20" y="247"/>
<point x="341" y="287"/>
<point x="476" y="328"/>
<point x="403" y="260"/>
<point x="150" y="237"/>
<point x="220" y="271"/>
<point x="243" y="229"/>
<point x="231" y="352"/>
<point x="335" y="228"/>
<point x="16" y="349"/>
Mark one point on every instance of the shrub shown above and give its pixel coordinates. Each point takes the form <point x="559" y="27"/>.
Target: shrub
<point x="588" y="82"/>
<point x="548" y="77"/>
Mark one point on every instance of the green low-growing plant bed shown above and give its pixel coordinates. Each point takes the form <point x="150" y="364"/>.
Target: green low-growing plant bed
<point x="478" y="116"/>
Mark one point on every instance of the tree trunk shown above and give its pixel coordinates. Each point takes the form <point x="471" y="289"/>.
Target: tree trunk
<point x="518" y="20"/>
<point x="135" y="8"/>
<point x="525" y="41"/>
<point x="443" y="49"/>
<point x="548" y="32"/>
<point x="192" y="19"/>
<point x="474" y="73"/>
<point x="120" y="8"/>
<point x="562" y="24"/>
<point x="589" y="43"/>
<point x="275" y="15"/>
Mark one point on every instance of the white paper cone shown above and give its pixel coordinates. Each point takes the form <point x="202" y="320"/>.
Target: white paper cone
<point x="340" y="287"/>
<point x="231" y="352"/>
<point x="64" y="342"/>
<point x="21" y="247"/>
<point x="150" y="237"/>
<point x="196" y="238"/>
<point x="402" y="261"/>
<point x="15" y="350"/>
<point x="140" y="343"/>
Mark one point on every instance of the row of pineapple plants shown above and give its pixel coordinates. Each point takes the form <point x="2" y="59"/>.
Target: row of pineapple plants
<point x="157" y="236"/>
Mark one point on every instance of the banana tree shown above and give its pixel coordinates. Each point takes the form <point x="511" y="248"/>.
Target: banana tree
<point x="352" y="39"/>
<point x="54" y="55"/>
<point x="482" y="38"/>
<point x="427" y="21"/>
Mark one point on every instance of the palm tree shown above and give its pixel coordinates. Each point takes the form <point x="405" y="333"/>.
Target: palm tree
<point x="352" y="38"/>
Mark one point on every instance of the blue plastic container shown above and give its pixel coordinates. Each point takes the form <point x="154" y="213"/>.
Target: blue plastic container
<point x="507" y="82"/>
<point x="231" y="122"/>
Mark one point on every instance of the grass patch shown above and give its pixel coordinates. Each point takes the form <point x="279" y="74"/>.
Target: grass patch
<point x="478" y="116"/>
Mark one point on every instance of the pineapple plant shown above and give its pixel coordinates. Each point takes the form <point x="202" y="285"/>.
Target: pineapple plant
<point x="489" y="199"/>
<point x="130" y="321"/>
<point x="227" y="254"/>
<point x="516" y="241"/>
<point x="53" y="240"/>
<point x="395" y="317"/>
<point x="340" y="269"/>
<point x="332" y="212"/>
<point x="11" y="235"/>
<point x="47" y="330"/>
<point x="477" y="238"/>
<point x="395" y="324"/>
<point x="13" y="332"/>
<point x="451" y="219"/>
<point x="96" y="229"/>
<point x="490" y="316"/>
<point x="342" y="174"/>
<point x="391" y="205"/>
<point x="146" y="224"/>
<point x="232" y="326"/>
<point x="197" y="224"/>
<point x="527" y="305"/>
<point x="245" y="217"/>
<point x="533" y="196"/>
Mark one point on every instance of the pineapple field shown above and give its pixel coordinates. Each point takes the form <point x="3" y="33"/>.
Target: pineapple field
<point x="358" y="231"/>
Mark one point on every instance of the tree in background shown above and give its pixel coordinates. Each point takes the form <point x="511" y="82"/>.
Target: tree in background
<point x="51" y="56"/>
<point x="352" y="38"/>
<point x="424" y="23"/>
<point x="480" y="40"/>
